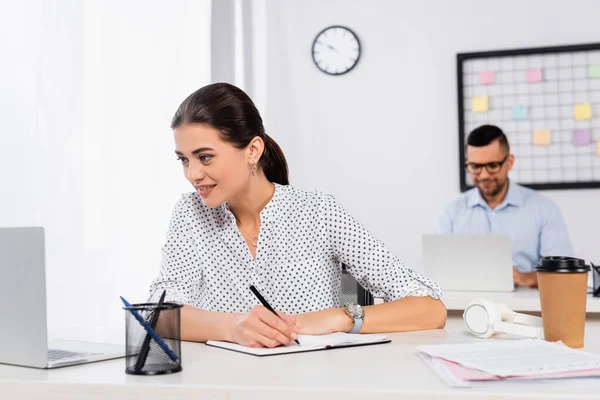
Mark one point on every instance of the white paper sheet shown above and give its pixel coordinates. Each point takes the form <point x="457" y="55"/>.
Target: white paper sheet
<point x="515" y="357"/>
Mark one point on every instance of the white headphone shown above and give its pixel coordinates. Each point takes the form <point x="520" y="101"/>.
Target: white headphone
<point x="483" y="318"/>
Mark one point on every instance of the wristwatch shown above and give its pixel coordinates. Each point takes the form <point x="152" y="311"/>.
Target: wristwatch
<point x="357" y="313"/>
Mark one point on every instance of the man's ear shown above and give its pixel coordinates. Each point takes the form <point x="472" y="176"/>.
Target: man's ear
<point x="510" y="161"/>
<point x="255" y="149"/>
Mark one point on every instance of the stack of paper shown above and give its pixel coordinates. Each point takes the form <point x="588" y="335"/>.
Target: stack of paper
<point x="459" y="364"/>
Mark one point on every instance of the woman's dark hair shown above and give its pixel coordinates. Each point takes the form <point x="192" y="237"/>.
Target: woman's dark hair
<point x="485" y="135"/>
<point x="230" y="110"/>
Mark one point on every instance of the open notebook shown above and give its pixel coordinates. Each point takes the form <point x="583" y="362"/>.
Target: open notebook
<point x="308" y="343"/>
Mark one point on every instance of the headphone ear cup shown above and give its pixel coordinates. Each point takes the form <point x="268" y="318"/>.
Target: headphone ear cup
<point x="480" y="318"/>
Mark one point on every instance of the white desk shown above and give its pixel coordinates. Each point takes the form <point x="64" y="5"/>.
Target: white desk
<point x="522" y="299"/>
<point x="389" y="371"/>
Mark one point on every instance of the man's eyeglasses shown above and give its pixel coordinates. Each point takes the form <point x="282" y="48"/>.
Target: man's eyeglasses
<point x="491" y="167"/>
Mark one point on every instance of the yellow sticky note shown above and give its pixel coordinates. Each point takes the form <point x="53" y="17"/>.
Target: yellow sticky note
<point x="582" y="111"/>
<point x="480" y="104"/>
<point x="541" y="138"/>
<point x="598" y="148"/>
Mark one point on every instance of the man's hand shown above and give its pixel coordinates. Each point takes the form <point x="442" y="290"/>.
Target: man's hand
<point x="525" y="279"/>
<point x="261" y="328"/>
<point x="324" y="322"/>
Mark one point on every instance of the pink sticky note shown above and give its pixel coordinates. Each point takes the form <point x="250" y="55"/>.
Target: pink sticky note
<point x="487" y="77"/>
<point x="534" y="75"/>
<point x="581" y="137"/>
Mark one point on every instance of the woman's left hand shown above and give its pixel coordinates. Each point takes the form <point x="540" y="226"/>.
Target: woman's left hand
<point x="323" y="322"/>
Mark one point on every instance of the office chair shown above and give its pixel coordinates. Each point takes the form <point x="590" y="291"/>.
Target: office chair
<point x="353" y="292"/>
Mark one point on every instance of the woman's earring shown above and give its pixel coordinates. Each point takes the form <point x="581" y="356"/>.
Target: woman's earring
<point x="254" y="169"/>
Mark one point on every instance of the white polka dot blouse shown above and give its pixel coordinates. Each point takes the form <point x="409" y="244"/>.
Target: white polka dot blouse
<point x="304" y="239"/>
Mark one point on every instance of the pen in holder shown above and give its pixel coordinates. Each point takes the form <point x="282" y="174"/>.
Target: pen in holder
<point x="153" y="340"/>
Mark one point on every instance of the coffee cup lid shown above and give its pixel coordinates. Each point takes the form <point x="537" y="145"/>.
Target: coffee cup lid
<point x="562" y="264"/>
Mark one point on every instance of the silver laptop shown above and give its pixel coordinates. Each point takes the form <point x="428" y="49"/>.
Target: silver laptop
<point x="469" y="262"/>
<point x="23" y="326"/>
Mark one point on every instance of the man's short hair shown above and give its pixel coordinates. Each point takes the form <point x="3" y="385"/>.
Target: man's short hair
<point x="487" y="134"/>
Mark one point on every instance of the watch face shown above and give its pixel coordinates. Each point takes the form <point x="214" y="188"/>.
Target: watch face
<point x="336" y="50"/>
<point x="355" y="310"/>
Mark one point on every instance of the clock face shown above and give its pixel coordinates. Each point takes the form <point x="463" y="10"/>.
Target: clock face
<point x="336" y="50"/>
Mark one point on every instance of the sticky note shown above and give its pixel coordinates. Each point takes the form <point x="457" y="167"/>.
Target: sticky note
<point x="534" y="75"/>
<point x="581" y="137"/>
<point x="487" y="77"/>
<point x="480" y="104"/>
<point x="541" y="138"/>
<point x="594" y="71"/>
<point x="582" y="111"/>
<point x="598" y="148"/>
<point x="519" y="113"/>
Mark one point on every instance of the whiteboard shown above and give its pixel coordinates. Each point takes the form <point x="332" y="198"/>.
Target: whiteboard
<point x="547" y="102"/>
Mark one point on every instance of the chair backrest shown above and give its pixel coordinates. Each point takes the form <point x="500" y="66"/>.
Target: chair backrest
<point x="353" y="292"/>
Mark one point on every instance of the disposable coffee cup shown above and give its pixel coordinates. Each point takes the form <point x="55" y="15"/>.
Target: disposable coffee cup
<point x="563" y="291"/>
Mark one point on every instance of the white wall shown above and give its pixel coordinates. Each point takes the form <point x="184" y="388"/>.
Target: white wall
<point x="383" y="139"/>
<point x="85" y="145"/>
<point x="90" y="87"/>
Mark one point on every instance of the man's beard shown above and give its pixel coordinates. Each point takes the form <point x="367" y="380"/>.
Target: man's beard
<point x="495" y="190"/>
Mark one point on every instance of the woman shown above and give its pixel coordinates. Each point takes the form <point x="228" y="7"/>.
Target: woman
<point x="244" y="225"/>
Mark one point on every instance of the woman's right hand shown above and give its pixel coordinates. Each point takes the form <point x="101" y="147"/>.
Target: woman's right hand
<point x="261" y="328"/>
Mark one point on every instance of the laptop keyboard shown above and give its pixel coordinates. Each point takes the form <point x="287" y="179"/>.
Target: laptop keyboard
<point x="57" y="355"/>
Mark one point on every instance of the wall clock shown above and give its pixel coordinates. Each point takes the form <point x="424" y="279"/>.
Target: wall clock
<point x="336" y="50"/>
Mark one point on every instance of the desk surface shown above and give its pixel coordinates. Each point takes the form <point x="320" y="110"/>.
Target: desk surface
<point x="373" y="372"/>
<point x="522" y="299"/>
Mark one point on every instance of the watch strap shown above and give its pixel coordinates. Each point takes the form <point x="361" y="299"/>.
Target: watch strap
<point x="357" y="324"/>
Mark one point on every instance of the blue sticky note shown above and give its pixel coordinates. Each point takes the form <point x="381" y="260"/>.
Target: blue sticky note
<point x="519" y="113"/>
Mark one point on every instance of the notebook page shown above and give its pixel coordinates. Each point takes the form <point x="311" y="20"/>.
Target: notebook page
<point x="339" y="339"/>
<point x="307" y="342"/>
<point x="261" y="351"/>
<point x="515" y="357"/>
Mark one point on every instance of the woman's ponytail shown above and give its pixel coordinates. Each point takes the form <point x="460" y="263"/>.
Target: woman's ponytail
<point x="273" y="162"/>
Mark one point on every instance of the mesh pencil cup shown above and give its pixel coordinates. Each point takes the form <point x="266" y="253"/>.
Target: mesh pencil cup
<point x="153" y="338"/>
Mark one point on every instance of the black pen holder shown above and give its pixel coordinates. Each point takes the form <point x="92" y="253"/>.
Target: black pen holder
<point x="145" y="355"/>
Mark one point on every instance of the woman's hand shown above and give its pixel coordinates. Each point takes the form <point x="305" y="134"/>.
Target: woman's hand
<point x="324" y="322"/>
<point x="261" y="328"/>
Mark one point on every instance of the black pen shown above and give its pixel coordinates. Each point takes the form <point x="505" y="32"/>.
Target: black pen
<point x="146" y="345"/>
<point x="265" y="304"/>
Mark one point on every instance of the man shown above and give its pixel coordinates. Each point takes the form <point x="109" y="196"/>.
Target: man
<point x="497" y="205"/>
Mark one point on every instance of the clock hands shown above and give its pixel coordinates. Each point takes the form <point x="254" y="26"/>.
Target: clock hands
<point x="333" y="48"/>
